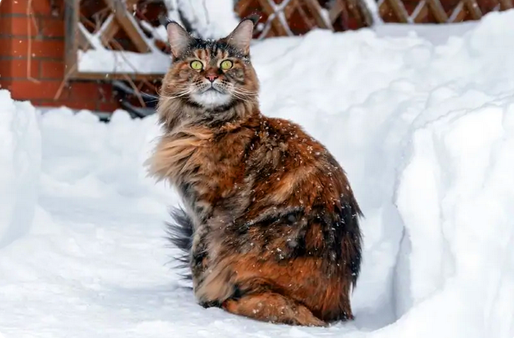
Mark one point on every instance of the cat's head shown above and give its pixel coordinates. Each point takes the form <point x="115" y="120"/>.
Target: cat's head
<point x="213" y="75"/>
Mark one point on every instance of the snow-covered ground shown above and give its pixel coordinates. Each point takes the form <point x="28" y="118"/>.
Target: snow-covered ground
<point x="424" y="129"/>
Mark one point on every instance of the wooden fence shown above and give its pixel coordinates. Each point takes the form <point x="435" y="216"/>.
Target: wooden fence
<point x="438" y="11"/>
<point x="117" y="26"/>
<point x="297" y="17"/>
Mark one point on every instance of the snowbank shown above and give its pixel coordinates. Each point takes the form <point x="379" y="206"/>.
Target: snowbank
<point x="455" y="196"/>
<point x="435" y="33"/>
<point x="209" y="19"/>
<point x="424" y="129"/>
<point x="20" y="162"/>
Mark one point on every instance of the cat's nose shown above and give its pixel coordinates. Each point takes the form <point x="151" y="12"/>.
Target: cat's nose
<point x="211" y="77"/>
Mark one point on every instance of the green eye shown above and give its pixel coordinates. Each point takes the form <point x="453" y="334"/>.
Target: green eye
<point x="196" y="65"/>
<point x="227" y="64"/>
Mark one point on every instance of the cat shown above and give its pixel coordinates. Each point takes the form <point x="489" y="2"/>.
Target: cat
<point x="270" y="224"/>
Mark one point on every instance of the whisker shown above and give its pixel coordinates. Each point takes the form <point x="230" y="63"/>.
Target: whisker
<point x="244" y="91"/>
<point x="179" y="94"/>
<point x="245" y="94"/>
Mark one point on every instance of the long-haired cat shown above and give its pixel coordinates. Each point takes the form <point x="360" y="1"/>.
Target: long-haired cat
<point x="270" y="224"/>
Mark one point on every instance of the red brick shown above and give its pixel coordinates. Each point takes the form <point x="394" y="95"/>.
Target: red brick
<point x="5" y="8"/>
<point x="84" y="91"/>
<point x="29" y="90"/>
<point x="108" y="106"/>
<point x="18" y="68"/>
<point x="4" y="68"/>
<point x="40" y="48"/>
<point x="5" y="24"/>
<point x="20" y="26"/>
<point x="51" y="27"/>
<point x="52" y="69"/>
<point x="39" y="7"/>
<point x="72" y="104"/>
<point x="105" y="90"/>
<point x="36" y="27"/>
<point x="5" y="83"/>
<point x="5" y="45"/>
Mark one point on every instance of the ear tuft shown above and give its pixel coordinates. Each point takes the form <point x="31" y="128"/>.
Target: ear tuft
<point x="242" y="35"/>
<point x="178" y="38"/>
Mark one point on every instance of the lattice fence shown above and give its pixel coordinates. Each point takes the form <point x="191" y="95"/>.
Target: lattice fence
<point x="122" y="41"/>
<point x="114" y="39"/>
<point x="438" y="11"/>
<point x="108" y="39"/>
<point x="296" y="17"/>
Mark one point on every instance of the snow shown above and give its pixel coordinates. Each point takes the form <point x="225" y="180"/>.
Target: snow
<point x="209" y="19"/>
<point x="117" y="62"/>
<point x="99" y="59"/>
<point x="20" y="163"/>
<point x="423" y="125"/>
<point x="435" y="33"/>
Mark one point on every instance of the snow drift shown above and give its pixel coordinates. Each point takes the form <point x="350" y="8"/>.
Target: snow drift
<point x="20" y="162"/>
<point x="425" y="132"/>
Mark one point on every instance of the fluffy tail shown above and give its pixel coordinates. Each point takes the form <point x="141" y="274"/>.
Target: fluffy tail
<point x="353" y="238"/>
<point x="180" y="234"/>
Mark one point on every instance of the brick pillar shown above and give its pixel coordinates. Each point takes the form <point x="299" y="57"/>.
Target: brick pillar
<point x="36" y="44"/>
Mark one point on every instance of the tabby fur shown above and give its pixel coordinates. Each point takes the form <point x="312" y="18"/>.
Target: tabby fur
<point x="270" y="225"/>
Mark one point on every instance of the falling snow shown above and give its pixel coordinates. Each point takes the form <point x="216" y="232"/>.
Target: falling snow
<point x="422" y="124"/>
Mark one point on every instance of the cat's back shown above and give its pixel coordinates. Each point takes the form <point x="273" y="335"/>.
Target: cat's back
<point x="286" y="153"/>
<point x="290" y="170"/>
<point x="284" y="145"/>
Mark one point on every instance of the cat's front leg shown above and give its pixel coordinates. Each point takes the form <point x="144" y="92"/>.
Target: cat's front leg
<point x="199" y="256"/>
<point x="200" y="264"/>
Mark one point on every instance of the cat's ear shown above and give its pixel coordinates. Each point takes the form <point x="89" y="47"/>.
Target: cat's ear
<point x="178" y="38"/>
<point x="242" y="35"/>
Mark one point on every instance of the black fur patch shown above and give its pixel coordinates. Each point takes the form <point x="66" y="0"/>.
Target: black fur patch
<point x="180" y="234"/>
<point x="348" y="230"/>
